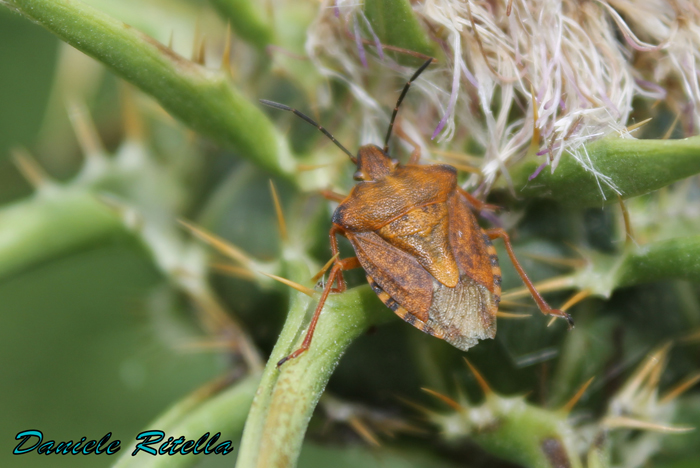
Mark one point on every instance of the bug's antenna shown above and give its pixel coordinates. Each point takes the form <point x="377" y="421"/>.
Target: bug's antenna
<point x="398" y="103"/>
<point x="277" y="105"/>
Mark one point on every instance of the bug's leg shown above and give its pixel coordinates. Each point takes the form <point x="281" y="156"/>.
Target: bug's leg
<point x="314" y="320"/>
<point x="335" y="274"/>
<point x="332" y="196"/>
<point x="342" y="285"/>
<point x="345" y="263"/>
<point x="476" y="203"/>
<point x="415" y="154"/>
<point x="543" y="306"/>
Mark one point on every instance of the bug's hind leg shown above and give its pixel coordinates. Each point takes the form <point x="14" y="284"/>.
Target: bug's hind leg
<point x="543" y="306"/>
<point x="336" y="274"/>
<point x="314" y="320"/>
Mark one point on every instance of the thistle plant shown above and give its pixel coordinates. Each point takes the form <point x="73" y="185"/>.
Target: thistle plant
<point x="579" y="119"/>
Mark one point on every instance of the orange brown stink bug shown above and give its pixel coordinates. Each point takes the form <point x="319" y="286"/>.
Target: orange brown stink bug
<point x="415" y="235"/>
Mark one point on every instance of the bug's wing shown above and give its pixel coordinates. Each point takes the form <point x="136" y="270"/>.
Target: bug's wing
<point x="465" y="314"/>
<point x="394" y="271"/>
<point x="471" y="247"/>
<point x="461" y="315"/>
<point x="423" y="233"/>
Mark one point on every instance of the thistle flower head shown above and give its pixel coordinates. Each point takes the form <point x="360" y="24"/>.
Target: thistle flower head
<point x="519" y="75"/>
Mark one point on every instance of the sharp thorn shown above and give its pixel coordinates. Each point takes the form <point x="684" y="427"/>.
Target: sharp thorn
<point x="575" y="399"/>
<point x="234" y="271"/>
<point x="479" y="378"/>
<point x="516" y="304"/>
<point x="691" y="337"/>
<point x="218" y="243"/>
<point x="535" y="142"/>
<point x="325" y="268"/>
<point x="226" y="56"/>
<point x="280" y="215"/>
<point x="312" y="167"/>
<point x="512" y="315"/>
<point x="195" y="41"/>
<point x="29" y="168"/>
<point x="629" y="235"/>
<point x="133" y="124"/>
<point x="655" y="360"/>
<point x="556" y="261"/>
<point x="302" y="289"/>
<point x="553" y="284"/>
<point x="634" y="127"/>
<point x="202" y="52"/>
<point x="679" y="389"/>
<point x="575" y="299"/>
<point x="670" y="130"/>
<point x="85" y="131"/>
<point x="449" y="401"/>
<point x="363" y="431"/>
<point x="414" y="405"/>
<point x="618" y="422"/>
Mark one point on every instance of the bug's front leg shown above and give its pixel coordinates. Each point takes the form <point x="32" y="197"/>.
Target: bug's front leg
<point x="543" y="306"/>
<point x="415" y="154"/>
<point x="332" y="196"/>
<point x="476" y="203"/>
<point x="336" y="274"/>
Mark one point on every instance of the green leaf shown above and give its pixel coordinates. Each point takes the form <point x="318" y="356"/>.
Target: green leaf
<point x="394" y="22"/>
<point x="634" y="167"/>
<point x="203" y="99"/>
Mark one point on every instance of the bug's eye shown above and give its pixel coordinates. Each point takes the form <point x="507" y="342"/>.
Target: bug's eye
<point x="359" y="175"/>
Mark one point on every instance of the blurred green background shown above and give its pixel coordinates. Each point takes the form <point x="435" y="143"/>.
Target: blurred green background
<point x="82" y="351"/>
<point x="96" y="341"/>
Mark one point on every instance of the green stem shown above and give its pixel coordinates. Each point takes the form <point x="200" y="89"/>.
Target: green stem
<point x="203" y="99"/>
<point x="673" y="258"/>
<point x="531" y="436"/>
<point x="287" y="396"/>
<point x="248" y="20"/>
<point x="635" y="167"/>
<point x="51" y="224"/>
<point x="201" y="412"/>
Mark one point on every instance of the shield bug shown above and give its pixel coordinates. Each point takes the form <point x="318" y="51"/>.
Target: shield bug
<point x="414" y="234"/>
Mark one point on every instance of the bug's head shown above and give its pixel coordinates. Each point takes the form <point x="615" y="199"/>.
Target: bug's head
<point x="373" y="164"/>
